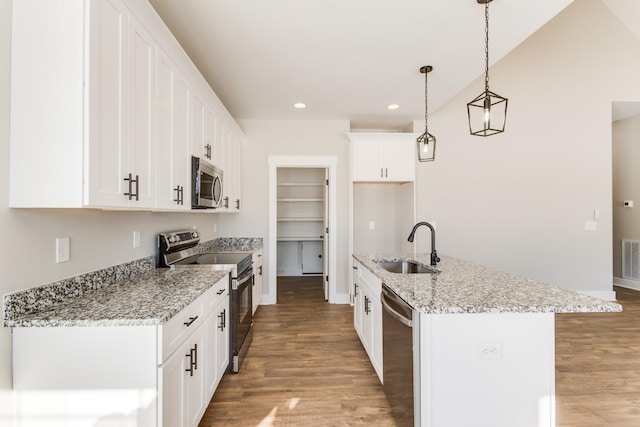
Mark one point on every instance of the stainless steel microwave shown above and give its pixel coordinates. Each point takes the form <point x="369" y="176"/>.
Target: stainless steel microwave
<point x="206" y="185"/>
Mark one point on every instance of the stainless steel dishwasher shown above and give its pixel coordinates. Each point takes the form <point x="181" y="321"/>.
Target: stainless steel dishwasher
<point x="397" y="348"/>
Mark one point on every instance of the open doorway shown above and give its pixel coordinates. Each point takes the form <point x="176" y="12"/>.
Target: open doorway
<point x="301" y="226"/>
<point x="302" y="218"/>
<point x="626" y="194"/>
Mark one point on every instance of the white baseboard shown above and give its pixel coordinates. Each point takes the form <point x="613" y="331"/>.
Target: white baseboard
<point x="626" y="283"/>
<point x="340" y="299"/>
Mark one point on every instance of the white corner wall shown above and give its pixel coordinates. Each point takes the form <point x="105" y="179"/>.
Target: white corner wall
<point x="518" y="201"/>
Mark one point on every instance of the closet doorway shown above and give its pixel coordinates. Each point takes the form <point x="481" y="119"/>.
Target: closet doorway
<point x="301" y="211"/>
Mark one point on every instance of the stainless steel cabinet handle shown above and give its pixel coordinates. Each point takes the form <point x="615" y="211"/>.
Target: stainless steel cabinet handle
<point x="179" y="198"/>
<point x="191" y="357"/>
<point x="132" y="181"/>
<point x="194" y="361"/>
<point x="191" y="320"/>
<point x="223" y="319"/>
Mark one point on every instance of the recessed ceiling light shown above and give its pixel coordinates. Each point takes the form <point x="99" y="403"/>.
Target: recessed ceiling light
<point x="393" y="107"/>
<point x="299" y="105"/>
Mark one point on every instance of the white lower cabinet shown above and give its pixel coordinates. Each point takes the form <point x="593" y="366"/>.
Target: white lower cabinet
<point x="183" y="382"/>
<point x="367" y="314"/>
<point x="142" y="376"/>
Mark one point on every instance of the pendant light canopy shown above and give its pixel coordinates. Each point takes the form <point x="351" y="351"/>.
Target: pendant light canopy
<point x="426" y="141"/>
<point x="488" y="111"/>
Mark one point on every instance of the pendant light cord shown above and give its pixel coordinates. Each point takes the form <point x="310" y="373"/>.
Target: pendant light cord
<point x="426" y="107"/>
<point x="486" y="47"/>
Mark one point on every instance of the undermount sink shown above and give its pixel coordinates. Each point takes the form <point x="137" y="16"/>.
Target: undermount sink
<point x="404" y="267"/>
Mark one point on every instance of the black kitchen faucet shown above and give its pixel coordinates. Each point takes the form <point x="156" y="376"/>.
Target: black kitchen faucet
<point x="434" y="255"/>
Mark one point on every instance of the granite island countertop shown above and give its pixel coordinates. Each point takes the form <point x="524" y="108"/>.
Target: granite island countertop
<point x="149" y="298"/>
<point x="465" y="287"/>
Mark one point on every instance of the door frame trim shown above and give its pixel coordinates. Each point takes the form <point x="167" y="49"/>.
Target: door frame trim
<point x="324" y="162"/>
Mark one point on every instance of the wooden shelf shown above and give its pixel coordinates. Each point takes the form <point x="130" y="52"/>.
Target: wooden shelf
<point x="301" y="199"/>
<point x="300" y="184"/>
<point x="299" y="238"/>
<point x="301" y="219"/>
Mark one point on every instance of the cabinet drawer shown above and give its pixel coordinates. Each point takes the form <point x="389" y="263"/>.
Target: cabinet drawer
<point x="179" y="327"/>
<point x="371" y="281"/>
<point x="216" y="294"/>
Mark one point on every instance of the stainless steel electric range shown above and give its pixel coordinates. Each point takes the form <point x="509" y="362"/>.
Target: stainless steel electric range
<point x="178" y="250"/>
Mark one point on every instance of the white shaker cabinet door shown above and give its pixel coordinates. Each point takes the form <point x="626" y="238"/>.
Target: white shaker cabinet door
<point x="121" y="142"/>
<point x="172" y="160"/>
<point x="108" y="107"/>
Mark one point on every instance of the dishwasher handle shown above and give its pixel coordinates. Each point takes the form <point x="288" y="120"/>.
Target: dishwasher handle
<point x="387" y="305"/>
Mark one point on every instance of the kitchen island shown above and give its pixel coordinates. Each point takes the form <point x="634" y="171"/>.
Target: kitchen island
<point x="483" y="340"/>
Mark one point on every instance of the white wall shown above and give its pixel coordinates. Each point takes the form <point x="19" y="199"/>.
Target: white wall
<point x="518" y="201"/>
<point x="626" y="186"/>
<point x="390" y="207"/>
<point x="98" y="238"/>
<point x="289" y="138"/>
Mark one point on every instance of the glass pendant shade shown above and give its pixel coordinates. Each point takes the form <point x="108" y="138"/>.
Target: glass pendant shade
<point x="487" y="114"/>
<point x="426" y="142"/>
<point x="426" y="147"/>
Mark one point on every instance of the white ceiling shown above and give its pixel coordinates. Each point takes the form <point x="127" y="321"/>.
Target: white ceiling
<point x="349" y="59"/>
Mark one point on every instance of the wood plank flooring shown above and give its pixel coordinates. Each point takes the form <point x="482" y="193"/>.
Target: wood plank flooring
<point x="598" y="366"/>
<point x="306" y="367"/>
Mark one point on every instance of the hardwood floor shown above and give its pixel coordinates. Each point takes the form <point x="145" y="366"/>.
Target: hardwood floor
<point x="306" y="367"/>
<point x="598" y="366"/>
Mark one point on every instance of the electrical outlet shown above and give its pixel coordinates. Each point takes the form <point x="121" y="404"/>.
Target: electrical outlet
<point x="372" y="225"/>
<point x="490" y="350"/>
<point x="62" y="249"/>
<point x="136" y="239"/>
<point x="215" y="227"/>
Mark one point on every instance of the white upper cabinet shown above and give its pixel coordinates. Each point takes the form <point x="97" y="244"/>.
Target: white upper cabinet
<point x="90" y="125"/>
<point x="229" y="153"/>
<point x="383" y="157"/>
<point x="173" y="159"/>
<point x="83" y="129"/>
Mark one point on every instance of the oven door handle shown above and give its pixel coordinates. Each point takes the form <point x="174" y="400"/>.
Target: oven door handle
<point x="239" y="282"/>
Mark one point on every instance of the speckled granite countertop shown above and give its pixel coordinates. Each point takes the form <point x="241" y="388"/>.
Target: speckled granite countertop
<point x="150" y="298"/>
<point x="464" y="287"/>
<point x="233" y="244"/>
<point x="133" y="293"/>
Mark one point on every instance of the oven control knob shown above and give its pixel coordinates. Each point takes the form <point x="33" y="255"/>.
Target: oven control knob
<point x="176" y="238"/>
<point x="170" y="239"/>
<point x="194" y="234"/>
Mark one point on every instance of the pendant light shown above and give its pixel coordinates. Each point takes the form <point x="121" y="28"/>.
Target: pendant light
<point x="426" y="141"/>
<point x="488" y="111"/>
